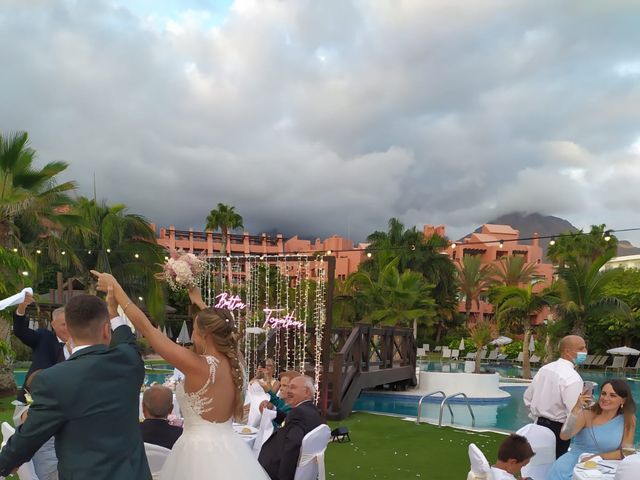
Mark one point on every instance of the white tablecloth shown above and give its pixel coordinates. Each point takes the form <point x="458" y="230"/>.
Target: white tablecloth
<point x="602" y="473"/>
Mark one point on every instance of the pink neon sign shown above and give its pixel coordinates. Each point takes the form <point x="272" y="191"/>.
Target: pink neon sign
<point x="288" y="321"/>
<point x="230" y="302"/>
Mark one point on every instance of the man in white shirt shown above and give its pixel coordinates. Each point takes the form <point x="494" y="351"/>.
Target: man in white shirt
<point x="555" y="389"/>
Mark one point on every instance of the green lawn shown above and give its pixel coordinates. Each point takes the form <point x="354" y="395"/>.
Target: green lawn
<point x="386" y="447"/>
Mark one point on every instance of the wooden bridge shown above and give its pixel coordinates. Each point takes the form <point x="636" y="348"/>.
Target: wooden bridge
<point x="369" y="357"/>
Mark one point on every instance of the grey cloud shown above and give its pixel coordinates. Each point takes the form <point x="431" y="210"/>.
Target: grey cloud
<point x="330" y="117"/>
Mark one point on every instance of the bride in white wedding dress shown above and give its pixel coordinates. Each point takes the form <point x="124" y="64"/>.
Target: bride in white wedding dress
<point x="209" y="398"/>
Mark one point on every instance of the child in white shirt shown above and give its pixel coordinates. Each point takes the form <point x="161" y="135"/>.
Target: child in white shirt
<point x="513" y="454"/>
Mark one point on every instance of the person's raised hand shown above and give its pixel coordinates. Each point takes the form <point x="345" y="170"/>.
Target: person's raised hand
<point x="112" y="304"/>
<point x="104" y="280"/>
<point x="28" y="300"/>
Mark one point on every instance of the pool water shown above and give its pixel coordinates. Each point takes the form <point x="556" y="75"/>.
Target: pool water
<point x="507" y="414"/>
<point x="149" y="378"/>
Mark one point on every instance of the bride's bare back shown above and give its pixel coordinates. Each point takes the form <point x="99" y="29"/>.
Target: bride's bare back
<point x="210" y="390"/>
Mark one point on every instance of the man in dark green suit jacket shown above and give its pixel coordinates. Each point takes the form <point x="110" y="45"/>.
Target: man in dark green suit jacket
<point x="90" y="402"/>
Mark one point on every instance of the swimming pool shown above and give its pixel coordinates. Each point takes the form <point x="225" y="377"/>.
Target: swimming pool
<point x="507" y="414"/>
<point x="149" y="377"/>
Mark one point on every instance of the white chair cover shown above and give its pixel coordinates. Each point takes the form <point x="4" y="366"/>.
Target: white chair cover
<point x="311" y="462"/>
<point x="628" y="468"/>
<point x="265" y="430"/>
<point x="256" y="395"/>
<point x="156" y="456"/>
<point x="543" y="443"/>
<point x="480" y="468"/>
<point x="26" y="470"/>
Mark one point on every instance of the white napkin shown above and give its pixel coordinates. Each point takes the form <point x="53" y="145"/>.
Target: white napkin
<point x="16" y="299"/>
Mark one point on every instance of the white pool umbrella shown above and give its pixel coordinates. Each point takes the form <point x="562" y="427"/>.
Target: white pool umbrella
<point x="623" y="351"/>
<point x="502" y="340"/>
<point x="461" y="347"/>
<point x="532" y="344"/>
<point x="183" y="336"/>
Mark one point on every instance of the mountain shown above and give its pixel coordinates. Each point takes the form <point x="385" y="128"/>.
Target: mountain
<point x="546" y="226"/>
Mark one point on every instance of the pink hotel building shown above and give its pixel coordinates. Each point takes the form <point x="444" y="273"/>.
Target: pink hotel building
<point x="491" y="243"/>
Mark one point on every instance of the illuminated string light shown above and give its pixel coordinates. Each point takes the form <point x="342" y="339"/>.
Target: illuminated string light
<point x="137" y="255"/>
<point x="552" y="242"/>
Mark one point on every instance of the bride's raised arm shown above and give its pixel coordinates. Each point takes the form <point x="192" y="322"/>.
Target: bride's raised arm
<point x="182" y="358"/>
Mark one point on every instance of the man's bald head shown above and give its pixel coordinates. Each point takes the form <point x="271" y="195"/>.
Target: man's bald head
<point x="157" y="402"/>
<point x="570" y="345"/>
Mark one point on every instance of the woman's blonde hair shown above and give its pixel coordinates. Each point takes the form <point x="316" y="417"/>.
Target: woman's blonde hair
<point x="220" y="324"/>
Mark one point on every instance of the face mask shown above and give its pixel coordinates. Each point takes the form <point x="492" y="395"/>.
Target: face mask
<point x="580" y="358"/>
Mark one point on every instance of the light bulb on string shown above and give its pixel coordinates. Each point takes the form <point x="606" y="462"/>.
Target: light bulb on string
<point x="25" y="273"/>
<point x="89" y="252"/>
<point x="368" y="254"/>
<point x="140" y="298"/>
<point x="552" y="242"/>
<point x="607" y="235"/>
<point x="15" y="249"/>
<point x="63" y="252"/>
<point x="501" y="244"/>
<point x="38" y="251"/>
<point x="453" y="245"/>
<point x="328" y="252"/>
<point x="137" y="255"/>
<point x="108" y="250"/>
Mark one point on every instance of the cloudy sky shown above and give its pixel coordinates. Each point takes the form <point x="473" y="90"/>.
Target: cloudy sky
<point x="321" y="117"/>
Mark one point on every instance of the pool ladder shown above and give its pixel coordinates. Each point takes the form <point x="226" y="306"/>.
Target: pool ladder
<point x="445" y="401"/>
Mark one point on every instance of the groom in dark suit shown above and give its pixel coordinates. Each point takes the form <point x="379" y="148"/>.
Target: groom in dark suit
<point x="48" y="346"/>
<point x="89" y="403"/>
<point x="279" y="454"/>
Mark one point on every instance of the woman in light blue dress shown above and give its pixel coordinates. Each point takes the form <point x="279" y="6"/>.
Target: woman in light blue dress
<point x="600" y="430"/>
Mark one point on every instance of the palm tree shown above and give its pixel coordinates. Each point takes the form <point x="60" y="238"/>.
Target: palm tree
<point x="224" y="218"/>
<point x="583" y="292"/>
<point x="112" y="240"/>
<point x="419" y="254"/>
<point x="394" y="298"/>
<point x="27" y="192"/>
<point x="513" y="271"/>
<point x="521" y="304"/>
<point x="473" y="280"/>
<point x="480" y="334"/>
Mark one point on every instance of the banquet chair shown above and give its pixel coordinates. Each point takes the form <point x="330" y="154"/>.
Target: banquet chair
<point x="156" y="456"/>
<point x="543" y="443"/>
<point x="311" y="461"/>
<point x="26" y="471"/>
<point x="480" y="468"/>
<point x="628" y="468"/>
<point x="265" y="430"/>
<point x="256" y="396"/>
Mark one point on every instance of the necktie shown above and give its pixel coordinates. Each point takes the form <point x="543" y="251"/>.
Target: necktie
<point x="61" y="346"/>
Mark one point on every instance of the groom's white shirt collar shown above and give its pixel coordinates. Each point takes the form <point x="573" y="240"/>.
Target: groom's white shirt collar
<point x="115" y="323"/>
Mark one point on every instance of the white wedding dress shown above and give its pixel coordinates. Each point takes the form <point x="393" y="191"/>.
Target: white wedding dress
<point x="208" y="450"/>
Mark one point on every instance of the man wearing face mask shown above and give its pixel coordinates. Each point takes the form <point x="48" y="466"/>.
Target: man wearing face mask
<point x="555" y="389"/>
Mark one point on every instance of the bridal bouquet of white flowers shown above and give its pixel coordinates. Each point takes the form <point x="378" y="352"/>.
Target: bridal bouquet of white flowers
<point x="183" y="272"/>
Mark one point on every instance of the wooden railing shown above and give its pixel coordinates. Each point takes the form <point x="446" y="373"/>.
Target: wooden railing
<point x="371" y="349"/>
